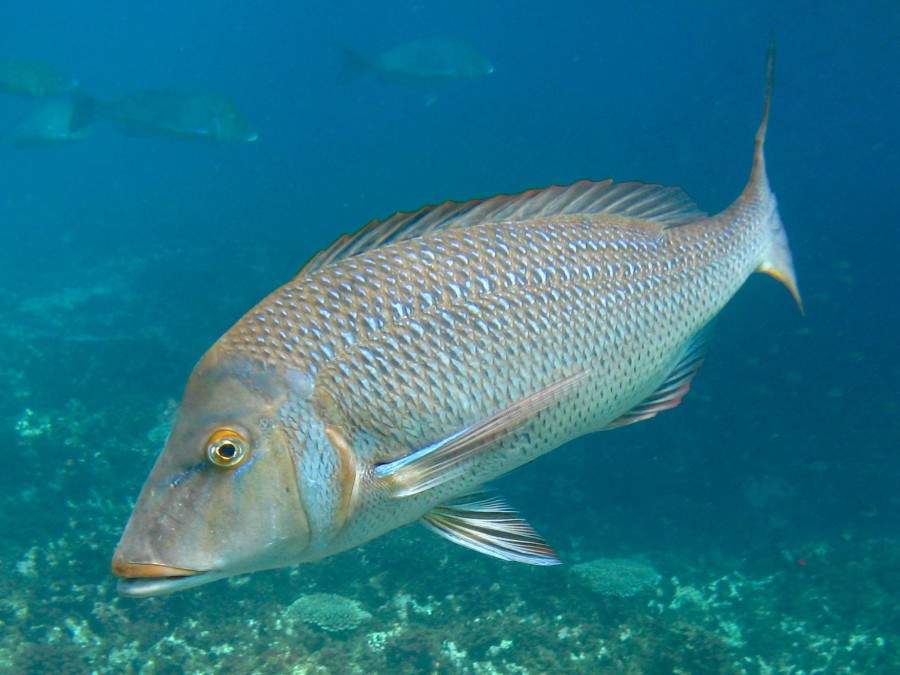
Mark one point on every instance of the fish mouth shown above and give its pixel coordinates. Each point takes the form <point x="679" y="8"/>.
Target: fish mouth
<point x="147" y="587"/>
<point x="141" y="580"/>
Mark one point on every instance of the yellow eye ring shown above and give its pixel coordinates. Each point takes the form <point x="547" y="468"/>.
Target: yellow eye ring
<point x="227" y="448"/>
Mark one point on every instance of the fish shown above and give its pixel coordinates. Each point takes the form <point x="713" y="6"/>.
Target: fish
<point x="34" y="79"/>
<point x="410" y="364"/>
<point x="429" y="60"/>
<point x="55" y="121"/>
<point x="187" y="113"/>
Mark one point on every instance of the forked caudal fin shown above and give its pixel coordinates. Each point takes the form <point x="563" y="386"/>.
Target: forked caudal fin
<point x="777" y="261"/>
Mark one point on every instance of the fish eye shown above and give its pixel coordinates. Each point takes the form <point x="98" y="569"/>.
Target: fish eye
<point x="227" y="448"/>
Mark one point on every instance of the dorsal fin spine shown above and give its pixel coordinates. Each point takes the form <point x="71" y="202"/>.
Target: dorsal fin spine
<point x="665" y="206"/>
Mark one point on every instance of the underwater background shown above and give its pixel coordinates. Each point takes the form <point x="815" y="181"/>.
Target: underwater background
<point x="756" y="528"/>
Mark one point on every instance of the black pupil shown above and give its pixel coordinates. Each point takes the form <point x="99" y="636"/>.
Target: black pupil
<point x="227" y="451"/>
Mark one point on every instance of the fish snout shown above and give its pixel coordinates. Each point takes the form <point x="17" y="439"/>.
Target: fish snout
<point x="125" y="569"/>
<point x="143" y="579"/>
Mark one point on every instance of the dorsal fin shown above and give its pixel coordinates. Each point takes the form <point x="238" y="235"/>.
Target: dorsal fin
<point x="668" y="206"/>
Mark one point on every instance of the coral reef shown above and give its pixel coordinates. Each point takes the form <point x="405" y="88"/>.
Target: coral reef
<point x="328" y="611"/>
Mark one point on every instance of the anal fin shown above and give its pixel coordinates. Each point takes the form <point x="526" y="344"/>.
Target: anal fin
<point x="488" y="524"/>
<point x="674" y="388"/>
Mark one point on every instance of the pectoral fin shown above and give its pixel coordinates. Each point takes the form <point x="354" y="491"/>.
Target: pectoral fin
<point x="489" y="525"/>
<point x="443" y="460"/>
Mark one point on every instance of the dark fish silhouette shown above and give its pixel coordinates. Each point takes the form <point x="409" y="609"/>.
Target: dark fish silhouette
<point x="56" y="120"/>
<point x="34" y="79"/>
<point x="428" y="60"/>
<point x="195" y="114"/>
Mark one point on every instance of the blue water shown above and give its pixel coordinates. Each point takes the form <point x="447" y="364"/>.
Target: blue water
<point x="767" y="501"/>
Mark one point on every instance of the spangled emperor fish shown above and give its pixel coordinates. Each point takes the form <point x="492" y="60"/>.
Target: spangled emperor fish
<point x="411" y="363"/>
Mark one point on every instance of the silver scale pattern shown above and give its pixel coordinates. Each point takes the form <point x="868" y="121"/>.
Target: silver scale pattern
<point x="415" y="340"/>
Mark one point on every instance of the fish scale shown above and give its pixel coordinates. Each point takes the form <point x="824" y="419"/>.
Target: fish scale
<point x="591" y="293"/>
<point x="411" y="363"/>
<point x="535" y="320"/>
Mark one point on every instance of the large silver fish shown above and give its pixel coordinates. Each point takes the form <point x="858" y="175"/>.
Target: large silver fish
<point x="409" y="364"/>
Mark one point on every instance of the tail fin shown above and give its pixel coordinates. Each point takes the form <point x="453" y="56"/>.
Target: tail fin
<point x="353" y="63"/>
<point x="777" y="262"/>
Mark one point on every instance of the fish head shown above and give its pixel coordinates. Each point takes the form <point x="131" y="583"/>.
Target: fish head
<point x="227" y="127"/>
<point x="236" y="129"/>
<point x="223" y="121"/>
<point x="475" y="65"/>
<point x="463" y="60"/>
<point x="222" y="498"/>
